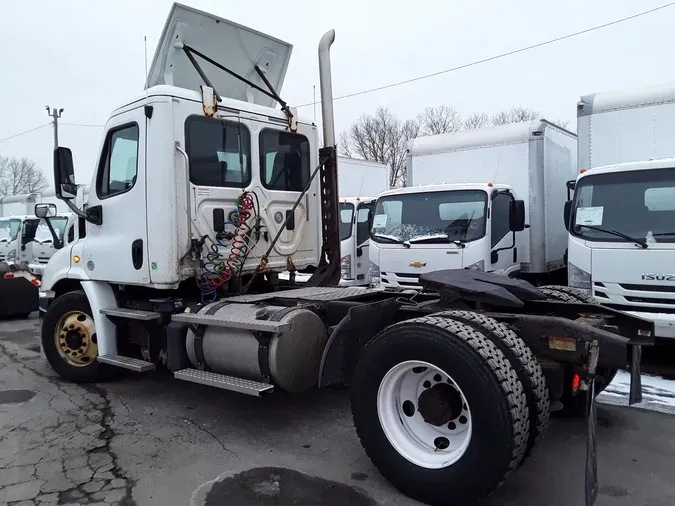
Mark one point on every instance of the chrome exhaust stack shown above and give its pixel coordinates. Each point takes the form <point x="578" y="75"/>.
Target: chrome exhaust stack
<point x="326" y="87"/>
<point x="328" y="270"/>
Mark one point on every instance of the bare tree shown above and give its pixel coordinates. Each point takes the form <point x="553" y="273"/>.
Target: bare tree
<point x="560" y="122"/>
<point x="442" y="119"/>
<point x="381" y="137"/>
<point x="20" y="175"/>
<point x="477" y="120"/>
<point x="516" y="114"/>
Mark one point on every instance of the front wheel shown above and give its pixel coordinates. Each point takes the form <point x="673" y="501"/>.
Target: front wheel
<point x="69" y="341"/>
<point x="439" y="410"/>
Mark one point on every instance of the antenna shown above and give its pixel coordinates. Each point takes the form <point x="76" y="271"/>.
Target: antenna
<point x="145" y="49"/>
<point x="361" y="187"/>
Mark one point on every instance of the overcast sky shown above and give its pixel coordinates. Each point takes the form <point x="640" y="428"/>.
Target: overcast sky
<point x="88" y="57"/>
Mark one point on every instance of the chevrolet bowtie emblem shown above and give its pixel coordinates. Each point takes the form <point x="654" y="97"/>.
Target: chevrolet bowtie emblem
<point x="417" y="264"/>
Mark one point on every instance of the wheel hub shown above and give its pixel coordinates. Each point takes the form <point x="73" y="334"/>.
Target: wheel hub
<point x="74" y="339"/>
<point x="440" y="404"/>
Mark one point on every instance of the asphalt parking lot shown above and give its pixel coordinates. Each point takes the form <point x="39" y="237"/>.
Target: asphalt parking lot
<point x="151" y="441"/>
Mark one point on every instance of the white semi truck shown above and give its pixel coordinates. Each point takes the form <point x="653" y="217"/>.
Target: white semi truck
<point x="468" y="191"/>
<point x="359" y="183"/>
<point x="622" y="219"/>
<point x="204" y="192"/>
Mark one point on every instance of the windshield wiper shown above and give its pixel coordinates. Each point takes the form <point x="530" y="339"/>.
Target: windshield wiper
<point x="660" y="234"/>
<point x="639" y="242"/>
<point x="391" y="238"/>
<point x="424" y="238"/>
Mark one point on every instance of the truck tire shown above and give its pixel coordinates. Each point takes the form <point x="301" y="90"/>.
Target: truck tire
<point x="567" y="294"/>
<point x="68" y="337"/>
<point x="415" y="421"/>
<point x="523" y="361"/>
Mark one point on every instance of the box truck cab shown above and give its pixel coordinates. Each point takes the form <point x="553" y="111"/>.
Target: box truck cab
<point x="355" y="217"/>
<point x="16" y="238"/>
<point x="509" y="221"/>
<point x="622" y="239"/>
<point x="68" y="229"/>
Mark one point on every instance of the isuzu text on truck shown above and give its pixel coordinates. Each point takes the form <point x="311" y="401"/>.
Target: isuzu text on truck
<point x="622" y="228"/>
<point x="204" y="193"/>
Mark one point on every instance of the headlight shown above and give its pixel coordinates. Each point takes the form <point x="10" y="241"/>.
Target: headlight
<point x="346" y="267"/>
<point x="478" y="266"/>
<point x="578" y="278"/>
<point x="373" y="270"/>
<point x="11" y="255"/>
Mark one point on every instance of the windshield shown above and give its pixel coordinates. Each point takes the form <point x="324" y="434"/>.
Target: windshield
<point x="42" y="234"/>
<point x="9" y="230"/>
<point x="639" y="204"/>
<point x="438" y="217"/>
<point x="346" y="218"/>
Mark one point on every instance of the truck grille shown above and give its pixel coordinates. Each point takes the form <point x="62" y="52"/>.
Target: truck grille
<point x="43" y="260"/>
<point x="2" y="258"/>
<point x="636" y="297"/>
<point x="400" y="279"/>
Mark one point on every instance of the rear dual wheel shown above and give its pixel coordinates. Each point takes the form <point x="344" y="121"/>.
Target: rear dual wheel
<point x="440" y="410"/>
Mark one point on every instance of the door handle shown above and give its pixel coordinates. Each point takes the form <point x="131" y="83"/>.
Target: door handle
<point x="137" y="253"/>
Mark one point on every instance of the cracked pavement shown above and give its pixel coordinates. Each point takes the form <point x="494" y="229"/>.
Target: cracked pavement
<point x="147" y="440"/>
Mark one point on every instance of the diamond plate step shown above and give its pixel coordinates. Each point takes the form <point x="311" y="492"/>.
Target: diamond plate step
<point x="230" y="322"/>
<point x="231" y="383"/>
<point x="130" y="314"/>
<point x="133" y="364"/>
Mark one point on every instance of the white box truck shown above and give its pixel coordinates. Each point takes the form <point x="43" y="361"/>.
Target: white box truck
<point x="622" y="219"/>
<point x="359" y="184"/>
<point x="161" y="281"/>
<point x="459" y="211"/>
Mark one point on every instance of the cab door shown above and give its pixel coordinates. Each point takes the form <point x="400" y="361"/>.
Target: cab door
<point x="28" y="228"/>
<point x="503" y="254"/>
<point x="116" y="249"/>
<point x="364" y="213"/>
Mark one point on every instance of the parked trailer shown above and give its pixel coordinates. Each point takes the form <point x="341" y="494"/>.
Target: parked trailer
<point x="451" y="387"/>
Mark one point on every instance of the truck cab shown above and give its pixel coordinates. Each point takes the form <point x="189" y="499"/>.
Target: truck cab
<point x="355" y="217"/>
<point x="446" y="226"/>
<point x="16" y="238"/>
<point x="622" y="239"/>
<point x="68" y="228"/>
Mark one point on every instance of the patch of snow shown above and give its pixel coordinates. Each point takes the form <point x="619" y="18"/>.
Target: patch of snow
<point x="658" y="394"/>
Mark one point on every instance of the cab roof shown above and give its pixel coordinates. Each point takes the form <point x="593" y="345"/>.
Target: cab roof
<point x="663" y="163"/>
<point x="425" y="188"/>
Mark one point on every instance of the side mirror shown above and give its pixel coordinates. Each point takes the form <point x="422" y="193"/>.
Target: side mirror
<point x="517" y="215"/>
<point x="64" y="174"/>
<point x="45" y="210"/>
<point x="571" y="185"/>
<point x="567" y="214"/>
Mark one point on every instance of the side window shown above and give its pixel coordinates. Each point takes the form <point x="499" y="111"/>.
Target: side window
<point x="71" y="234"/>
<point x="119" y="165"/>
<point x="284" y="160"/>
<point x="362" y="230"/>
<point x="500" y="218"/>
<point x="219" y="152"/>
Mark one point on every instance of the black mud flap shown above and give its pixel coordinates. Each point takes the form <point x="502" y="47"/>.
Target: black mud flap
<point x="591" y="481"/>
<point x="635" y="394"/>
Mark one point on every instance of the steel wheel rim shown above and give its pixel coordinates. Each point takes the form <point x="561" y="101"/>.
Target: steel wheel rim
<point x="413" y="437"/>
<point x="75" y="339"/>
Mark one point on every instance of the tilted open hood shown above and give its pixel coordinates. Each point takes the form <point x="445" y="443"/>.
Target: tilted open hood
<point x="234" y="46"/>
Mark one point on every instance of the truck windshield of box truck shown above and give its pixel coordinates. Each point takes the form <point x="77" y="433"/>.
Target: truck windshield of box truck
<point x="434" y="217"/>
<point x="637" y="204"/>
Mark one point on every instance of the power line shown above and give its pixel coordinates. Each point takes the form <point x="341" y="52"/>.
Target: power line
<point x="82" y="125"/>
<point x="25" y="132"/>
<point x="502" y="55"/>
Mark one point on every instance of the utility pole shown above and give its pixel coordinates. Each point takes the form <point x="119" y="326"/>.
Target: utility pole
<point x="56" y="114"/>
